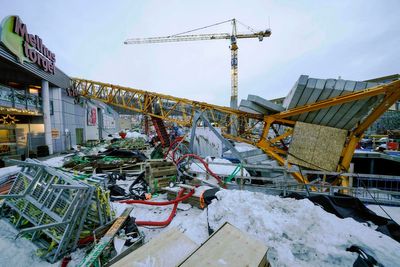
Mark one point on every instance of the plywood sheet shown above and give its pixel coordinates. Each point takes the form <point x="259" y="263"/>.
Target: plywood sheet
<point x="229" y="247"/>
<point x="316" y="147"/>
<point x="167" y="249"/>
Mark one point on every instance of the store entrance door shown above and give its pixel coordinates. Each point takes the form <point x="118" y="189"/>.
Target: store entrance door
<point x="79" y="136"/>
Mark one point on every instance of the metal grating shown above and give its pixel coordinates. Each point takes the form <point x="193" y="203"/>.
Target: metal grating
<point x="54" y="208"/>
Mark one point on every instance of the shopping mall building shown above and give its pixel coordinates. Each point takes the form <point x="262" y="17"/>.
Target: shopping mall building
<point x="37" y="106"/>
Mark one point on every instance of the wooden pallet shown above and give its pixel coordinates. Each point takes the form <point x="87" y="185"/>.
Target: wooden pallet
<point x="159" y="173"/>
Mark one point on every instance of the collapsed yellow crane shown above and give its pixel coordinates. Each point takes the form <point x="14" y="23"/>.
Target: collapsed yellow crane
<point x="180" y="37"/>
<point x="182" y="111"/>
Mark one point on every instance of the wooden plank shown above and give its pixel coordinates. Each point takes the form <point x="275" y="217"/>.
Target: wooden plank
<point x="106" y="240"/>
<point x="229" y="246"/>
<point x="161" y="173"/>
<point x="158" y="163"/>
<point x="167" y="249"/>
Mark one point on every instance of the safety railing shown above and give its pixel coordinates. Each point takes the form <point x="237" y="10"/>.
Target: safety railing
<point x="19" y="99"/>
<point x="369" y="188"/>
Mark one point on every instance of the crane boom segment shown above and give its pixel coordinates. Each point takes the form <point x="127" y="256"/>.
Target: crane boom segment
<point x="178" y="38"/>
<point x="169" y="108"/>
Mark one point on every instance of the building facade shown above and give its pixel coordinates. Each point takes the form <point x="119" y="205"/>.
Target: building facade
<point x="37" y="106"/>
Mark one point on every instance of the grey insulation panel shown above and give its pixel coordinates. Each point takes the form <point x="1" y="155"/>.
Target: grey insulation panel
<point x="294" y="95"/>
<point x="242" y="108"/>
<point x="307" y="92"/>
<point x="267" y="105"/>
<point x="249" y="105"/>
<point x="337" y="110"/>
<point x="345" y="116"/>
<point x="336" y="91"/>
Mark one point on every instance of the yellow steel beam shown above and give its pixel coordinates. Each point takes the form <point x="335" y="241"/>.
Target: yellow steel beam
<point x="169" y="108"/>
<point x="280" y="137"/>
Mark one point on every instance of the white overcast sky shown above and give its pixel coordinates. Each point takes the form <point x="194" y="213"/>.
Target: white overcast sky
<point x="356" y="40"/>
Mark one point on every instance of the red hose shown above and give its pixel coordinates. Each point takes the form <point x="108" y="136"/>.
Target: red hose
<point x="160" y="203"/>
<point x="171" y="216"/>
<point x="205" y="164"/>
<point x="65" y="261"/>
<point x="178" y="139"/>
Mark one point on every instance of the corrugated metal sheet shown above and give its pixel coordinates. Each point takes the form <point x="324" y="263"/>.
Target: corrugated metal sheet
<point x="58" y="79"/>
<point x="309" y="90"/>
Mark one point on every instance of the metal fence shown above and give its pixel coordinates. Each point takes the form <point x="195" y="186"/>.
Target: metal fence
<point x="369" y="188"/>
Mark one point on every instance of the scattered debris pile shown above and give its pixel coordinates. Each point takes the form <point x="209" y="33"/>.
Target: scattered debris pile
<point x="138" y="143"/>
<point x="111" y="159"/>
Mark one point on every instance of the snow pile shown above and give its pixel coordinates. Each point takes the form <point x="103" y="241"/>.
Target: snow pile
<point x="53" y="162"/>
<point x="18" y="252"/>
<point x="132" y="134"/>
<point x="243" y="147"/>
<point x="7" y="171"/>
<point x="129" y="134"/>
<point x="298" y="232"/>
<point x="56" y="162"/>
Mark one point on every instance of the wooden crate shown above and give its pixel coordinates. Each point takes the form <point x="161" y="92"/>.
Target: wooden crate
<point x="229" y="246"/>
<point x="159" y="173"/>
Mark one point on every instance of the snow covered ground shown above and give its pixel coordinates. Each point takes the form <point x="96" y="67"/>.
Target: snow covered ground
<point x="297" y="232"/>
<point x="17" y="252"/>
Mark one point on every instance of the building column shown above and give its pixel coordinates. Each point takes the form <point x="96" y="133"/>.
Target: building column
<point x="58" y="142"/>
<point x="46" y="115"/>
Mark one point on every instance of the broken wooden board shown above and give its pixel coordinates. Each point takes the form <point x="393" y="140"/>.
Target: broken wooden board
<point x="316" y="147"/>
<point x="167" y="249"/>
<point x="229" y="246"/>
<point x="106" y="240"/>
